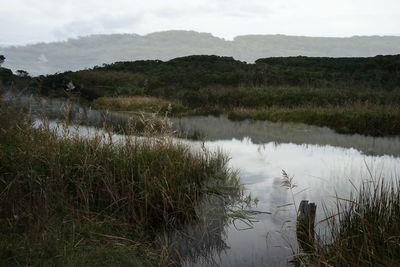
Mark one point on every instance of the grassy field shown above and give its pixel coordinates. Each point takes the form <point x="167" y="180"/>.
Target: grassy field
<point x="74" y="201"/>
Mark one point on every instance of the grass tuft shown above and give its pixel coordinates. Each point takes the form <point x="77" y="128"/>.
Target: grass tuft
<point x="67" y="198"/>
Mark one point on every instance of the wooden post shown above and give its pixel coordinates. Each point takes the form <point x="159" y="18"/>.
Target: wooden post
<point x="305" y="225"/>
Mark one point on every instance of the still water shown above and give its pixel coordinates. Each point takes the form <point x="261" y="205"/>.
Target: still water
<point x="323" y="165"/>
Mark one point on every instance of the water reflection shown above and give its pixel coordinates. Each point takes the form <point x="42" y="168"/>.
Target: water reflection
<point x="323" y="164"/>
<point x="212" y="128"/>
<point x="198" y="243"/>
<point x="320" y="173"/>
<point x="261" y="132"/>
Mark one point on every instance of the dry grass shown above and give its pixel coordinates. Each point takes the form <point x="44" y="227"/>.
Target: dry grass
<point x="138" y="104"/>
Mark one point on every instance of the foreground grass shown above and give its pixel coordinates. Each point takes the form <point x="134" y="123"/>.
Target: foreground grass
<point x="366" y="232"/>
<point x="365" y="119"/>
<point x="90" y="201"/>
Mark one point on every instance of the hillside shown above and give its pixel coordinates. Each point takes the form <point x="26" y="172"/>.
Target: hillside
<point x="86" y="52"/>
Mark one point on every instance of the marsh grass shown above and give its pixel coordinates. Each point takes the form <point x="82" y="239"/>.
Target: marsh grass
<point x="138" y="104"/>
<point x="361" y="230"/>
<point x="364" y="112"/>
<point x="72" y="200"/>
<point x="364" y="230"/>
<point x="359" y="118"/>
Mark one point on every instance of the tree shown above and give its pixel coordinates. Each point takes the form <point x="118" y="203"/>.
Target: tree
<point x="22" y="73"/>
<point x="2" y="58"/>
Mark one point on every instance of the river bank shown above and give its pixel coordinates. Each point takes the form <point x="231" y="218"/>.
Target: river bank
<point x="348" y="118"/>
<point x="74" y="200"/>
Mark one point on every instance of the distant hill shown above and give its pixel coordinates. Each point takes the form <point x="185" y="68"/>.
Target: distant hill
<point x="86" y="52"/>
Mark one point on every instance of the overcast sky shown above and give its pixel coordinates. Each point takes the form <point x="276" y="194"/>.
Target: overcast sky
<point x="27" y="21"/>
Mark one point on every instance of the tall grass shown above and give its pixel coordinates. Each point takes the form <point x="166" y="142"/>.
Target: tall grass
<point x="364" y="112"/>
<point x="67" y="198"/>
<point x="359" y="118"/>
<point x="365" y="230"/>
<point x="138" y="104"/>
<point x="362" y="230"/>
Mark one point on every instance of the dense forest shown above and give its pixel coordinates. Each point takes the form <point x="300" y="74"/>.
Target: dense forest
<point x="212" y="80"/>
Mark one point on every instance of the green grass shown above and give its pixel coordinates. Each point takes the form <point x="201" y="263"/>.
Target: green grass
<point x="364" y="112"/>
<point x="89" y="201"/>
<point x="365" y="230"/>
<point x="358" y="118"/>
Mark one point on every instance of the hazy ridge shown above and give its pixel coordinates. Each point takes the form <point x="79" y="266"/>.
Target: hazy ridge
<point x="86" y="52"/>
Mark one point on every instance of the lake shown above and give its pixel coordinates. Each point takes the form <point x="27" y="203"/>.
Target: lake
<point x="324" y="165"/>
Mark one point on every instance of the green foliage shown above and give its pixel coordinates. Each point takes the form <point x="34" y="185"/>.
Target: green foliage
<point x="184" y="77"/>
<point x="211" y="84"/>
<point x="6" y="76"/>
<point x="22" y="73"/>
<point x="66" y="198"/>
<point x="376" y="72"/>
<point x="365" y="231"/>
<point x="350" y="119"/>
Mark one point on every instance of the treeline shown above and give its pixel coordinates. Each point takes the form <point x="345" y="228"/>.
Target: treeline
<point x="215" y="80"/>
<point x="350" y="95"/>
<point x="85" y="52"/>
<point x="380" y="72"/>
<point x="20" y="80"/>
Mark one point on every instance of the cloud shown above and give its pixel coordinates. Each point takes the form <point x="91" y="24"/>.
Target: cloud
<point x="100" y="24"/>
<point x="48" y="20"/>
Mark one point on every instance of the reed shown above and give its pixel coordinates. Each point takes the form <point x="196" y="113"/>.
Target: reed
<point x="138" y="104"/>
<point x="361" y="230"/>
<point x="364" y="231"/>
<point x="67" y="198"/>
<point x="367" y="119"/>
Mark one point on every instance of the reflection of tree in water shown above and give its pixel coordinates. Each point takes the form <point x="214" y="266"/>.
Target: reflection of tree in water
<point x="201" y="243"/>
<point x="198" y="243"/>
<point x="74" y="112"/>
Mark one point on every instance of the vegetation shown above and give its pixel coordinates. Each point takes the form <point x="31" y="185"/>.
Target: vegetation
<point x="198" y="80"/>
<point x="5" y="74"/>
<point x="333" y="90"/>
<point x="366" y="232"/>
<point x="359" y="118"/>
<point x="139" y="103"/>
<point x="7" y="78"/>
<point x="72" y="200"/>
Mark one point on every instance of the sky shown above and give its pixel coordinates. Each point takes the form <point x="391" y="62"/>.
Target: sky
<point x="30" y="21"/>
